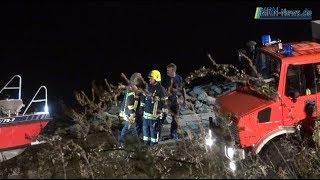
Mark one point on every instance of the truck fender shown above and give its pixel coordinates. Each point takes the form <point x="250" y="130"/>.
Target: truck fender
<point x="277" y="132"/>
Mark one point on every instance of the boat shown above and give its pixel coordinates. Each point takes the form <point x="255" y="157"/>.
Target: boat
<point x="20" y="125"/>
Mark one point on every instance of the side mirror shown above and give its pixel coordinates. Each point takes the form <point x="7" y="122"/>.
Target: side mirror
<point x="294" y="96"/>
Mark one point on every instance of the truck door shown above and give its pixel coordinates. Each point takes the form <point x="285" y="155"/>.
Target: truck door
<point x="300" y="96"/>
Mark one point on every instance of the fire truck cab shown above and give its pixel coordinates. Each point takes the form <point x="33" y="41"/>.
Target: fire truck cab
<point x="293" y="70"/>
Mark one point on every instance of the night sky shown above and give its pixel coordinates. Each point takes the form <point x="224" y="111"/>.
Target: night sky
<point x="66" y="45"/>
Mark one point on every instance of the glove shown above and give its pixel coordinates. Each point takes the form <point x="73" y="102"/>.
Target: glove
<point x="131" y="119"/>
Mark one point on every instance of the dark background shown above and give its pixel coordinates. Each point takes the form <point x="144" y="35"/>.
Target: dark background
<point x="67" y="45"/>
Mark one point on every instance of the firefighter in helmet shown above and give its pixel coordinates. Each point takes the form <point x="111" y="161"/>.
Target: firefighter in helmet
<point x="154" y="108"/>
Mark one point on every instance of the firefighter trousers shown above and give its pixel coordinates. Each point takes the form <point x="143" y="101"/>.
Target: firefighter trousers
<point x="149" y="132"/>
<point x="125" y="130"/>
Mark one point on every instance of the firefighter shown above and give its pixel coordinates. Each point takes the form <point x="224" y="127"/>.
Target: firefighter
<point x="129" y="105"/>
<point x="174" y="86"/>
<point x="154" y="108"/>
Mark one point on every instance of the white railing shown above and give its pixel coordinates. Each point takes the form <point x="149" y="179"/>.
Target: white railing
<point x="39" y="100"/>
<point x="17" y="87"/>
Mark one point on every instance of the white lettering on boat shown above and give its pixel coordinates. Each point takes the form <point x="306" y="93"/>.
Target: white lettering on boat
<point x="6" y="120"/>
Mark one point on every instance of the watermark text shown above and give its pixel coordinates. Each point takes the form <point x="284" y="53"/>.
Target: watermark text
<point x="277" y="13"/>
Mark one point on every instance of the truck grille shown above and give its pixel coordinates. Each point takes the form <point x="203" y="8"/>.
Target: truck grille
<point x="234" y="132"/>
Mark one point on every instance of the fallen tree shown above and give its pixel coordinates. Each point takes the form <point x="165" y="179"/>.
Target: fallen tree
<point x="85" y="146"/>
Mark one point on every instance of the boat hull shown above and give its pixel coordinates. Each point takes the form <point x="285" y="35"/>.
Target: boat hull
<point x="19" y="132"/>
<point x="8" y="154"/>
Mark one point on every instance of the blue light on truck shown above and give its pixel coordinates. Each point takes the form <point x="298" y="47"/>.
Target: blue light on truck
<point x="287" y="50"/>
<point x="265" y="39"/>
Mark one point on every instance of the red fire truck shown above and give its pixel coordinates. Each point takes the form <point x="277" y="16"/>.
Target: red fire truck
<point x="292" y="70"/>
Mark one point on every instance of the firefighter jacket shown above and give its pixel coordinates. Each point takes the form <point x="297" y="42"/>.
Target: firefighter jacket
<point x="154" y="102"/>
<point x="129" y="104"/>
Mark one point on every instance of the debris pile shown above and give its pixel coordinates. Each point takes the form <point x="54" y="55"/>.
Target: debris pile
<point x="199" y="99"/>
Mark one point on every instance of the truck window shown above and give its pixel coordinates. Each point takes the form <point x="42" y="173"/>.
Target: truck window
<point x="268" y="67"/>
<point x="292" y="81"/>
<point x="300" y="80"/>
<point x="309" y="71"/>
<point x="313" y="78"/>
<point x="262" y="64"/>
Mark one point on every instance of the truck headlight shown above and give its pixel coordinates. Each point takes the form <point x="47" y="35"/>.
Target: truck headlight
<point x="230" y="152"/>
<point x="209" y="140"/>
<point x="232" y="166"/>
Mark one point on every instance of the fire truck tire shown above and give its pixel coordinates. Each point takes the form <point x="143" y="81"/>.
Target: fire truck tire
<point x="277" y="157"/>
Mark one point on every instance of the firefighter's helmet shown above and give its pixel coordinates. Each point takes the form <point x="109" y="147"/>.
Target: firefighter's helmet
<point x="155" y="74"/>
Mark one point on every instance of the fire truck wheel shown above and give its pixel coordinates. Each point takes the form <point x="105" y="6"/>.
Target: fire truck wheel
<point x="278" y="157"/>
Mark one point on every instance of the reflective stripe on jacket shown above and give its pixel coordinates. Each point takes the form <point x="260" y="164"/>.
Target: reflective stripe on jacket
<point x="155" y="102"/>
<point x="129" y="104"/>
